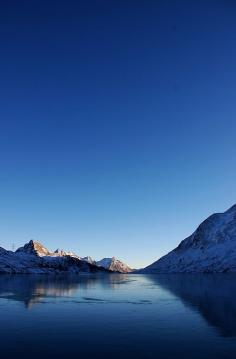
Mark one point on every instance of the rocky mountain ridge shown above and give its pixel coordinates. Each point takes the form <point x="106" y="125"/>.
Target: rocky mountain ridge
<point x="211" y="248"/>
<point x="33" y="257"/>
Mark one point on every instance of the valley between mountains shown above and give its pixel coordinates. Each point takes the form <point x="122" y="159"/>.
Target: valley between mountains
<point x="210" y="249"/>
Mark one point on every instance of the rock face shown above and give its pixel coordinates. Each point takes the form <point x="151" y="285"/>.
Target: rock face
<point x="34" y="258"/>
<point x="35" y="248"/>
<point x="114" y="265"/>
<point x="211" y="248"/>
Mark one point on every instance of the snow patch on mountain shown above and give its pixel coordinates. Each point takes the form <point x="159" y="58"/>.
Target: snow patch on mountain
<point x="62" y="253"/>
<point x="34" y="247"/>
<point x="211" y="248"/>
<point x="88" y="259"/>
<point x="114" y="265"/>
<point x="34" y="258"/>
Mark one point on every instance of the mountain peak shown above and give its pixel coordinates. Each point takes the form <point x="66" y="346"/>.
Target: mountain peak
<point x="34" y="247"/>
<point x="60" y="252"/>
<point x="88" y="259"/>
<point x="115" y="265"/>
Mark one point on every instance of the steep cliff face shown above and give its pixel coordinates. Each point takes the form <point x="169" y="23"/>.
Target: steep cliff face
<point x="34" y="247"/>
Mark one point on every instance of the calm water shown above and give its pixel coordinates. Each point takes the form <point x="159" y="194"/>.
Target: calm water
<point x="129" y="316"/>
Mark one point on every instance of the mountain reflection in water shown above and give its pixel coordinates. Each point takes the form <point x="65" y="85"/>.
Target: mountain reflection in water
<point x="32" y="289"/>
<point x="212" y="296"/>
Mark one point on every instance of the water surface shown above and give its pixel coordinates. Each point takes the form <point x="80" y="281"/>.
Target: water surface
<point x="129" y="316"/>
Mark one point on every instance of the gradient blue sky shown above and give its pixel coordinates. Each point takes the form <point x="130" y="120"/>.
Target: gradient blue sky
<point x="117" y="123"/>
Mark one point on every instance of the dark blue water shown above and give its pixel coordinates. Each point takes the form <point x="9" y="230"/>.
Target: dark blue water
<point x="120" y="316"/>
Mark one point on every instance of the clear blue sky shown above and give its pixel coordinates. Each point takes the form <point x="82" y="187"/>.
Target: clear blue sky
<point x="117" y="123"/>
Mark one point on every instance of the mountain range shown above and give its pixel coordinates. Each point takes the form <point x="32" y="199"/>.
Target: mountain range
<point x="210" y="249"/>
<point x="34" y="258"/>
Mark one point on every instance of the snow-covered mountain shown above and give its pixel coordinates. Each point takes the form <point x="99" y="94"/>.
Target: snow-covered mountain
<point x="61" y="253"/>
<point x="211" y="248"/>
<point x="114" y="265"/>
<point x="34" y="247"/>
<point x="33" y="257"/>
<point x="88" y="259"/>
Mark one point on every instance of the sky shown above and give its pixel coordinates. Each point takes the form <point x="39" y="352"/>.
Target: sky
<point x="117" y="123"/>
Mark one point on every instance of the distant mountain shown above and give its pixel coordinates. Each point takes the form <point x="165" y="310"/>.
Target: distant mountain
<point x="61" y="253"/>
<point x="34" y="247"/>
<point x="34" y="258"/>
<point x="88" y="259"/>
<point x="114" y="265"/>
<point x="211" y="248"/>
